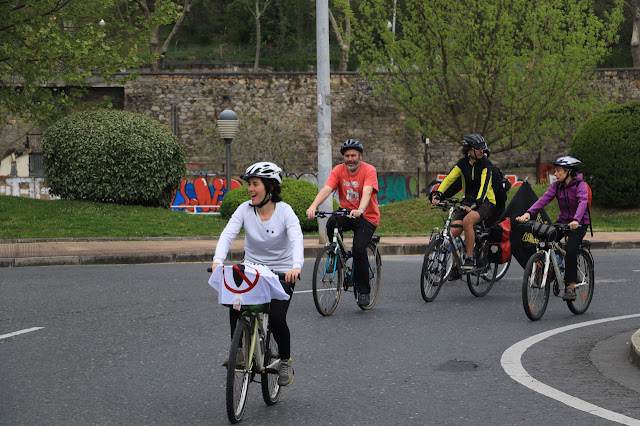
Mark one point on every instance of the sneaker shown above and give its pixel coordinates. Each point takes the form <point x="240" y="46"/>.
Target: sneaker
<point x="454" y="275"/>
<point x="239" y="358"/>
<point x="468" y="264"/>
<point x="569" y="294"/>
<point x="285" y="372"/>
<point x="364" y="299"/>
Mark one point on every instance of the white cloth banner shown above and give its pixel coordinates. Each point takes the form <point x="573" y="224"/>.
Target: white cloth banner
<point x="246" y="283"/>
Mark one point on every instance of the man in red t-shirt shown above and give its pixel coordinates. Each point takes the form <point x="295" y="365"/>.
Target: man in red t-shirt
<point x="357" y="185"/>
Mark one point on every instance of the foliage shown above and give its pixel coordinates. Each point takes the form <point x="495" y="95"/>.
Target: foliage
<point x="517" y="72"/>
<point x="113" y="156"/>
<point x="609" y="147"/>
<point x="47" y="44"/>
<point x="299" y="194"/>
<point x="267" y="136"/>
<point x="30" y="218"/>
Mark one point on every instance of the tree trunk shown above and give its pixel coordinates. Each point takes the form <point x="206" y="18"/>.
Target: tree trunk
<point x="635" y="35"/>
<point x="344" y="46"/>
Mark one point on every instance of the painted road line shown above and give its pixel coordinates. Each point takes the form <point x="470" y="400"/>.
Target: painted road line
<point x="512" y="365"/>
<point x="15" y="333"/>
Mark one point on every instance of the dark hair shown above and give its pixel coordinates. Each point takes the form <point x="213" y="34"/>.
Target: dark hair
<point x="272" y="186"/>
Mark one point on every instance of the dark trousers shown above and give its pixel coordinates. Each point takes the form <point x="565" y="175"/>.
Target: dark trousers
<point x="362" y="232"/>
<point x="277" y="321"/>
<point x="571" y="261"/>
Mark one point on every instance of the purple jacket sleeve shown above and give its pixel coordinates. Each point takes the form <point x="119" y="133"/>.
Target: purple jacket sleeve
<point x="583" y="201"/>
<point x="546" y="198"/>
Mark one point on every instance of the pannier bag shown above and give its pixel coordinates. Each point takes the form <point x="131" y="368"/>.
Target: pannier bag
<point x="500" y="242"/>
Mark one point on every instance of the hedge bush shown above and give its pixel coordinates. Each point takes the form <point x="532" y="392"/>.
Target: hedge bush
<point x="609" y="147"/>
<point x="299" y="194"/>
<point x="113" y="156"/>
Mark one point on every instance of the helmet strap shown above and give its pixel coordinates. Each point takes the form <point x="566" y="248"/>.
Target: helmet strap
<point x="267" y="198"/>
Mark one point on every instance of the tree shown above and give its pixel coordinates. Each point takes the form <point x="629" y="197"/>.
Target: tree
<point x="49" y="48"/>
<point x="257" y="11"/>
<point x="162" y="8"/>
<point x="635" y="36"/>
<point x="343" y="40"/>
<point x="516" y="71"/>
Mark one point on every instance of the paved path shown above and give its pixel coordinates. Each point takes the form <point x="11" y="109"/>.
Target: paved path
<point x="43" y="252"/>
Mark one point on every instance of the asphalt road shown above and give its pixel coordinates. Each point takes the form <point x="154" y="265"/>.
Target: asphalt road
<point x="141" y="344"/>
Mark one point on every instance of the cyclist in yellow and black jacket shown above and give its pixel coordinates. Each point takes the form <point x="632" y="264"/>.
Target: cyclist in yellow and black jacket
<point x="474" y="170"/>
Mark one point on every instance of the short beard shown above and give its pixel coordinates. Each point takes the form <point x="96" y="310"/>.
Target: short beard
<point x="353" y="167"/>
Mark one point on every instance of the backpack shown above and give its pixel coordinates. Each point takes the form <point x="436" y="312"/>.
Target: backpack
<point x="590" y="196"/>
<point x="501" y="185"/>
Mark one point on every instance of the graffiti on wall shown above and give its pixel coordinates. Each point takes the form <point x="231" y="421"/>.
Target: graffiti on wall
<point x="28" y="187"/>
<point x="394" y="187"/>
<point x="200" y="197"/>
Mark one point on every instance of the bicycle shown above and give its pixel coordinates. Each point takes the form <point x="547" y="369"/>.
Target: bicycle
<point x="547" y="264"/>
<point x="333" y="271"/>
<point x="254" y="342"/>
<point x="444" y="255"/>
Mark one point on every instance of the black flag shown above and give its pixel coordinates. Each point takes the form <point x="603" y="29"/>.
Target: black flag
<point x="521" y="246"/>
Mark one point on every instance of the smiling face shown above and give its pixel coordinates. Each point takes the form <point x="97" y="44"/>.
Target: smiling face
<point x="352" y="158"/>
<point x="257" y="190"/>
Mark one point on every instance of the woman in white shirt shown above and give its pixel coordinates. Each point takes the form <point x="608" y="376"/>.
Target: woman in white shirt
<point x="273" y="238"/>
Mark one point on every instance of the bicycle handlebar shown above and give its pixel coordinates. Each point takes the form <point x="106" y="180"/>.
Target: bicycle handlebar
<point x="336" y="213"/>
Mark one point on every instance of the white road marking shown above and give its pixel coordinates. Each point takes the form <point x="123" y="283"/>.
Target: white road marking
<point x="15" y="333"/>
<point x="512" y="365"/>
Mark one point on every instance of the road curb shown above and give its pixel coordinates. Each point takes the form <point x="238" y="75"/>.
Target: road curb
<point x="635" y="348"/>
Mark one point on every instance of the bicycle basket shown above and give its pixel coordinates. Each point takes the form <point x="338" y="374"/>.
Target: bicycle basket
<point x="545" y="231"/>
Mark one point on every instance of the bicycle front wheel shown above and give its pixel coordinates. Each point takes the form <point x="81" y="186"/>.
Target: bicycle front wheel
<point x="269" y="379"/>
<point x="375" y="267"/>
<point x="584" y="284"/>
<point x="481" y="281"/>
<point x="327" y="281"/>
<point x="534" y="297"/>
<point x="238" y="372"/>
<point x="434" y="268"/>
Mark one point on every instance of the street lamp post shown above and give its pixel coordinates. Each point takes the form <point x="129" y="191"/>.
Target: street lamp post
<point x="228" y="127"/>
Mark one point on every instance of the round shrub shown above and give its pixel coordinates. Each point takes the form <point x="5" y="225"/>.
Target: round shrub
<point x="113" y="156"/>
<point x="609" y="147"/>
<point x="299" y="194"/>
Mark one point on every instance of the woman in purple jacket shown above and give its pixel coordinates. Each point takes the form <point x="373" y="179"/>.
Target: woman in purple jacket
<point x="573" y="200"/>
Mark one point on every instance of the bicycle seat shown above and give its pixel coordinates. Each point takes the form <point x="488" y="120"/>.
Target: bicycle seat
<point x="375" y="239"/>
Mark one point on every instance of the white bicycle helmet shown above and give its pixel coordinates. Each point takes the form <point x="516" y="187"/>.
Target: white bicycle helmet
<point x="568" y="162"/>
<point x="264" y="170"/>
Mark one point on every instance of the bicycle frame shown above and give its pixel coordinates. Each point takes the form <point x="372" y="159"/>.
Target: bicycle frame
<point x="550" y="260"/>
<point x="257" y="321"/>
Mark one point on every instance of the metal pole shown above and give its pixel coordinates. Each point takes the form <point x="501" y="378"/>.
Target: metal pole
<point x="227" y="143"/>
<point x="324" y="108"/>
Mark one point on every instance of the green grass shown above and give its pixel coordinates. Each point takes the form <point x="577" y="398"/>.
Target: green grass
<point x="27" y="218"/>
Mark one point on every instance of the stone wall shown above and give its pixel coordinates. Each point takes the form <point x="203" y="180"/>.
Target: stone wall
<point x="186" y="100"/>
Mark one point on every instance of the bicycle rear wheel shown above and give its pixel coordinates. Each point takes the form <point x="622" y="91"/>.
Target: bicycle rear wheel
<point x="534" y="297"/>
<point x="327" y="281"/>
<point x="375" y="268"/>
<point x="269" y="379"/>
<point x="238" y="372"/>
<point x="502" y="269"/>
<point x="434" y="268"/>
<point x="481" y="281"/>
<point x="584" y="285"/>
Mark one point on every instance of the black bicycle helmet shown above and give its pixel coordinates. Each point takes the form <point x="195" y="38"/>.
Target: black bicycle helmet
<point x="568" y="163"/>
<point x="351" y="144"/>
<point x="264" y="170"/>
<point x="474" y="141"/>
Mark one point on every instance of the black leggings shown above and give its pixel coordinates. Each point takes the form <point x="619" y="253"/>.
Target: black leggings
<point x="571" y="261"/>
<point x="277" y="321"/>
<point x="362" y="232"/>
